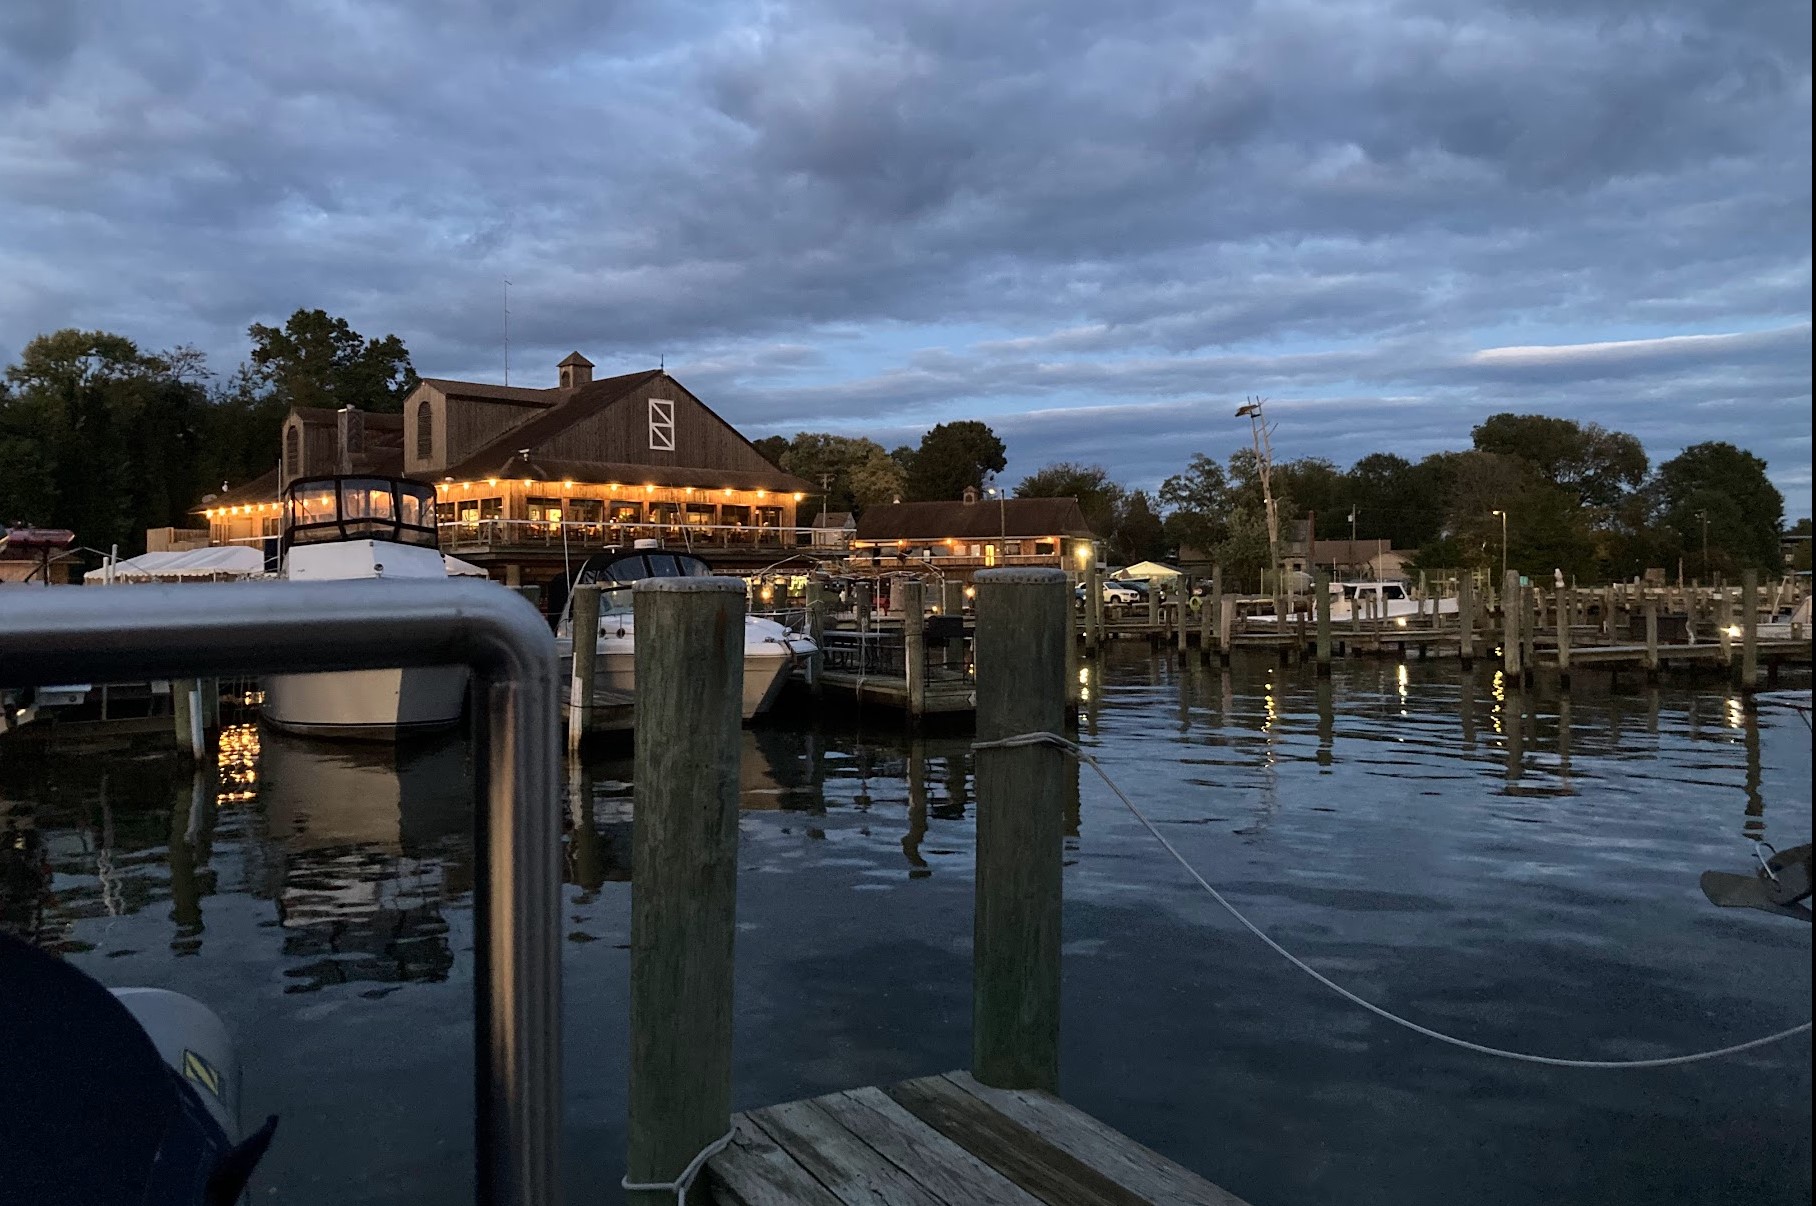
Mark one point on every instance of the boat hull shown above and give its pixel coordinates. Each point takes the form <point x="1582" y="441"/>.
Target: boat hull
<point x="765" y="674"/>
<point x="372" y="705"/>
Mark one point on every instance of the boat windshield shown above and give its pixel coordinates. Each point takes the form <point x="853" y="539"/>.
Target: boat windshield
<point x="614" y="573"/>
<point x="321" y="510"/>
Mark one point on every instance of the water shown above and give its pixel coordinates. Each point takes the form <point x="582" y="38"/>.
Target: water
<point x="1530" y="885"/>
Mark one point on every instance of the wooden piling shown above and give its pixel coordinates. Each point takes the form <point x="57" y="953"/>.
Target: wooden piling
<point x="1566" y="610"/>
<point x="1207" y="626"/>
<point x="1608" y="614"/>
<point x="179" y="714"/>
<point x="690" y="670"/>
<point x="1511" y="647"/>
<point x="584" y="614"/>
<point x="1749" y="630"/>
<point x="1724" y="621"/>
<point x="1321" y="584"/>
<point x="1182" y="630"/>
<point x="1226" y="623"/>
<point x="1153" y="613"/>
<point x="1466" y="619"/>
<point x="914" y="645"/>
<point x="1651" y="662"/>
<point x="952" y="597"/>
<point x="816" y="631"/>
<point x="1529" y="632"/>
<point x="1020" y="830"/>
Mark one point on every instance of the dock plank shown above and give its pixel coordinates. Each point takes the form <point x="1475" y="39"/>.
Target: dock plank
<point x="1109" y="1151"/>
<point x="755" y="1171"/>
<point x="939" y="1164"/>
<point x="1048" y="1172"/>
<point x="851" y="1170"/>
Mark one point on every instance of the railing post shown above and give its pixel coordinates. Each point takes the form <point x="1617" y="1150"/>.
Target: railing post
<point x="1749" y="630"/>
<point x="1322" y="586"/>
<point x="1020" y="829"/>
<point x="1510" y="626"/>
<point x="584" y="624"/>
<point x="914" y="646"/>
<point x="690" y="648"/>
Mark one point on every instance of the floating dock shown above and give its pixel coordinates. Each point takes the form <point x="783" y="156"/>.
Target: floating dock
<point x="944" y="1141"/>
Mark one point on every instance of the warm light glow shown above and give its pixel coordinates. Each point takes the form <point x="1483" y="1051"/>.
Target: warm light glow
<point x="1734" y="630"/>
<point x="648" y="489"/>
<point x="491" y="481"/>
<point x="466" y="485"/>
<point x="762" y="494"/>
<point x="1084" y="554"/>
<point x="1401" y="621"/>
<point x="799" y="496"/>
<point x="728" y="491"/>
<point x="971" y="592"/>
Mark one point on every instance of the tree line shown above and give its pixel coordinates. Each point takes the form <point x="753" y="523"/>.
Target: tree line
<point x="107" y="439"/>
<point x="1576" y="497"/>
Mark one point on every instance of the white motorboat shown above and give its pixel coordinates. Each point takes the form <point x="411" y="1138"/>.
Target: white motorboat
<point x="344" y="528"/>
<point x="1376" y="601"/>
<point x="771" y="651"/>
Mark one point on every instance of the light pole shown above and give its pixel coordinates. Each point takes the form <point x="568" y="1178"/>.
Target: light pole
<point x="1704" y="516"/>
<point x="1264" y="463"/>
<point x="1503" y="516"/>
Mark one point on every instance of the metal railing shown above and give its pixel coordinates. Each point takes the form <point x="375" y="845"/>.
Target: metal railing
<point x="158" y="632"/>
<point x="457" y="535"/>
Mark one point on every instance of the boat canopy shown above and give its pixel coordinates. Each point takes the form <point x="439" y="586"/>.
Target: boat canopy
<point x="614" y="571"/>
<point x="218" y="563"/>
<point x="320" y="510"/>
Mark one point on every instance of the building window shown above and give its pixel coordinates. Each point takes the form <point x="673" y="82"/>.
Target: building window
<point x="293" y="452"/>
<point x="425" y="432"/>
<point x="628" y="512"/>
<point x="661" y="425"/>
<point x="271" y="525"/>
<point x="545" y="510"/>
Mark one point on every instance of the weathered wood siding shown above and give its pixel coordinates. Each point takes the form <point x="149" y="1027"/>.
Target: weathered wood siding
<point x="469" y="424"/>
<point x="620" y="433"/>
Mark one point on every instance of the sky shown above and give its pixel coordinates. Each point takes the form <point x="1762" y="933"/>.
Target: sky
<point x="1096" y="227"/>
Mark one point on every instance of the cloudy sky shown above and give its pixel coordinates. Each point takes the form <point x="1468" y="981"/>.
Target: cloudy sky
<point x="1096" y="226"/>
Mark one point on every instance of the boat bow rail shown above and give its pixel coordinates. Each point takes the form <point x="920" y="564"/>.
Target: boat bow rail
<point x="156" y="632"/>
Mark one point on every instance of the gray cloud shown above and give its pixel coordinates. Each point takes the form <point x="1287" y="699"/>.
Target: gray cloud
<point x="1091" y="225"/>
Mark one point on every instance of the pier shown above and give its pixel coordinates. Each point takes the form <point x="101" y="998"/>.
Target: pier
<point x="997" y="1133"/>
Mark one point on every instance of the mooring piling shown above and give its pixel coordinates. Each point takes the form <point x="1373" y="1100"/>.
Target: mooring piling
<point x="1749" y="630"/>
<point x="584" y="617"/>
<point x="1020" y="830"/>
<point x="690" y="646"/>
<point x="1322" y="602"/>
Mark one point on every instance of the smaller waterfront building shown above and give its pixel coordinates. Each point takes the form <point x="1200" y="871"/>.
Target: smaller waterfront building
<point x="962" y="536"/>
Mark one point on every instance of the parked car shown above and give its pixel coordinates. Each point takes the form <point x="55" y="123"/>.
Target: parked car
<point x="1125" y="591"/>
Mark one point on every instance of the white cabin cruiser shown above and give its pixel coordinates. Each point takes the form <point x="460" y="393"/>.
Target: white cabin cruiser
<point x="338" y="529"/>
<point x="1375" y="601"/>
<point x="771" y="651"/>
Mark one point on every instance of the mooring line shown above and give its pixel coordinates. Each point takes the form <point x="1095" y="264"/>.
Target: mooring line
<point x="1055" y="741"/>
<point x="680" y="1185"/>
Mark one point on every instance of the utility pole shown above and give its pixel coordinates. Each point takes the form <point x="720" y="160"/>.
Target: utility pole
<point x="1264" y="461"/>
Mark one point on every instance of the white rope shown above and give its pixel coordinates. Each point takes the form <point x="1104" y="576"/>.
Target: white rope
<point x="680" y="1184"/>
<point x="1060" y="743"/>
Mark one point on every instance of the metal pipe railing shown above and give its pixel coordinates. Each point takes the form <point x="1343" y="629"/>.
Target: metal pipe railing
<point x="49" y="636"/>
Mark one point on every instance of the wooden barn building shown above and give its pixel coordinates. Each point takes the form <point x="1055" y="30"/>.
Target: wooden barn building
<point x="531" y="481"/>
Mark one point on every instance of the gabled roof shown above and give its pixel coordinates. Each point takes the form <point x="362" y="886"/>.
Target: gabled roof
<point x="261" y="489"/>
<point x="518" y="395"/>
<point x="1015" y="518"/>
<point x="498" y="458"/>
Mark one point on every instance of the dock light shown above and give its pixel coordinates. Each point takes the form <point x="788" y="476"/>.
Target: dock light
<point x="1084" y="554"/>
<point x="1734" y="630"/>
<point x="971" y="592"/>
<point x="1400" y="622"/>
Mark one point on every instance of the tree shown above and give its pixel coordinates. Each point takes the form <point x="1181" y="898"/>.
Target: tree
<point x="1546" y="528"/>
<point x="1098" y="497"/>
<point x="1599" y="466"/>
<point x="951" y="457"/>
<point x="101" y="438"/>
<point x="1139" y="534"/>
<point x="1198" y="502"/>
<point x="773" y="448"/>
<point x="1317" y="487"/>
<point x="319" y="360"/>
<point x="1394" y="500"/>
<point x="851" y="473"/>
<point x="1745" y="509"/>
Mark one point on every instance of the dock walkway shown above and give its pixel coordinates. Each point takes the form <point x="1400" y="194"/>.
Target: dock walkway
<point x="943" y="1141"/>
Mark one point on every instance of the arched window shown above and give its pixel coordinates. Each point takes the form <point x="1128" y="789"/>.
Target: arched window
<point x="293" y="452"/>
<point x="425" y="432"/>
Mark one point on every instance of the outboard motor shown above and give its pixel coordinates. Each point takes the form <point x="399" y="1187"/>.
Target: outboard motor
<point x="115" y="1098"/>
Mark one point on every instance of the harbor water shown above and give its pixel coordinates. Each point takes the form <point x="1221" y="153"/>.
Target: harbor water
<point x="1514" y="868"/>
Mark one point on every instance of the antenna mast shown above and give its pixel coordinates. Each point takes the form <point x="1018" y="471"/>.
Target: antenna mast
<point x="507" y="330"/>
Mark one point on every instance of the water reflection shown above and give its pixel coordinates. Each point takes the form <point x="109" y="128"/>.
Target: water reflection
<point x="367" y="846"/>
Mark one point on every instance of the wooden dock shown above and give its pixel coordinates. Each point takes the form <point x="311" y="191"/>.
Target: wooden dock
<point x="943" y="1141"/>
<point x="948" y="696"/>
<point x="613" y="711"/>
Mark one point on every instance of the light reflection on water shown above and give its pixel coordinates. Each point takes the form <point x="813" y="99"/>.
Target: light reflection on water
<point x="1529" y="882"/>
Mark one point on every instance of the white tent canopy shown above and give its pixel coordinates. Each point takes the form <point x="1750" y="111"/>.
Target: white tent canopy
<point x="462" y="569"/>
<point x="1149" y="570"/>
<point x="216" y="563"/>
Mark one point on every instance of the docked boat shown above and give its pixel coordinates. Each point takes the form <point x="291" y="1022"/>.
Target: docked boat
<point x="771" y="651"/>
<point x="339" y="529"/>
<point x="1376" y="601"/>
